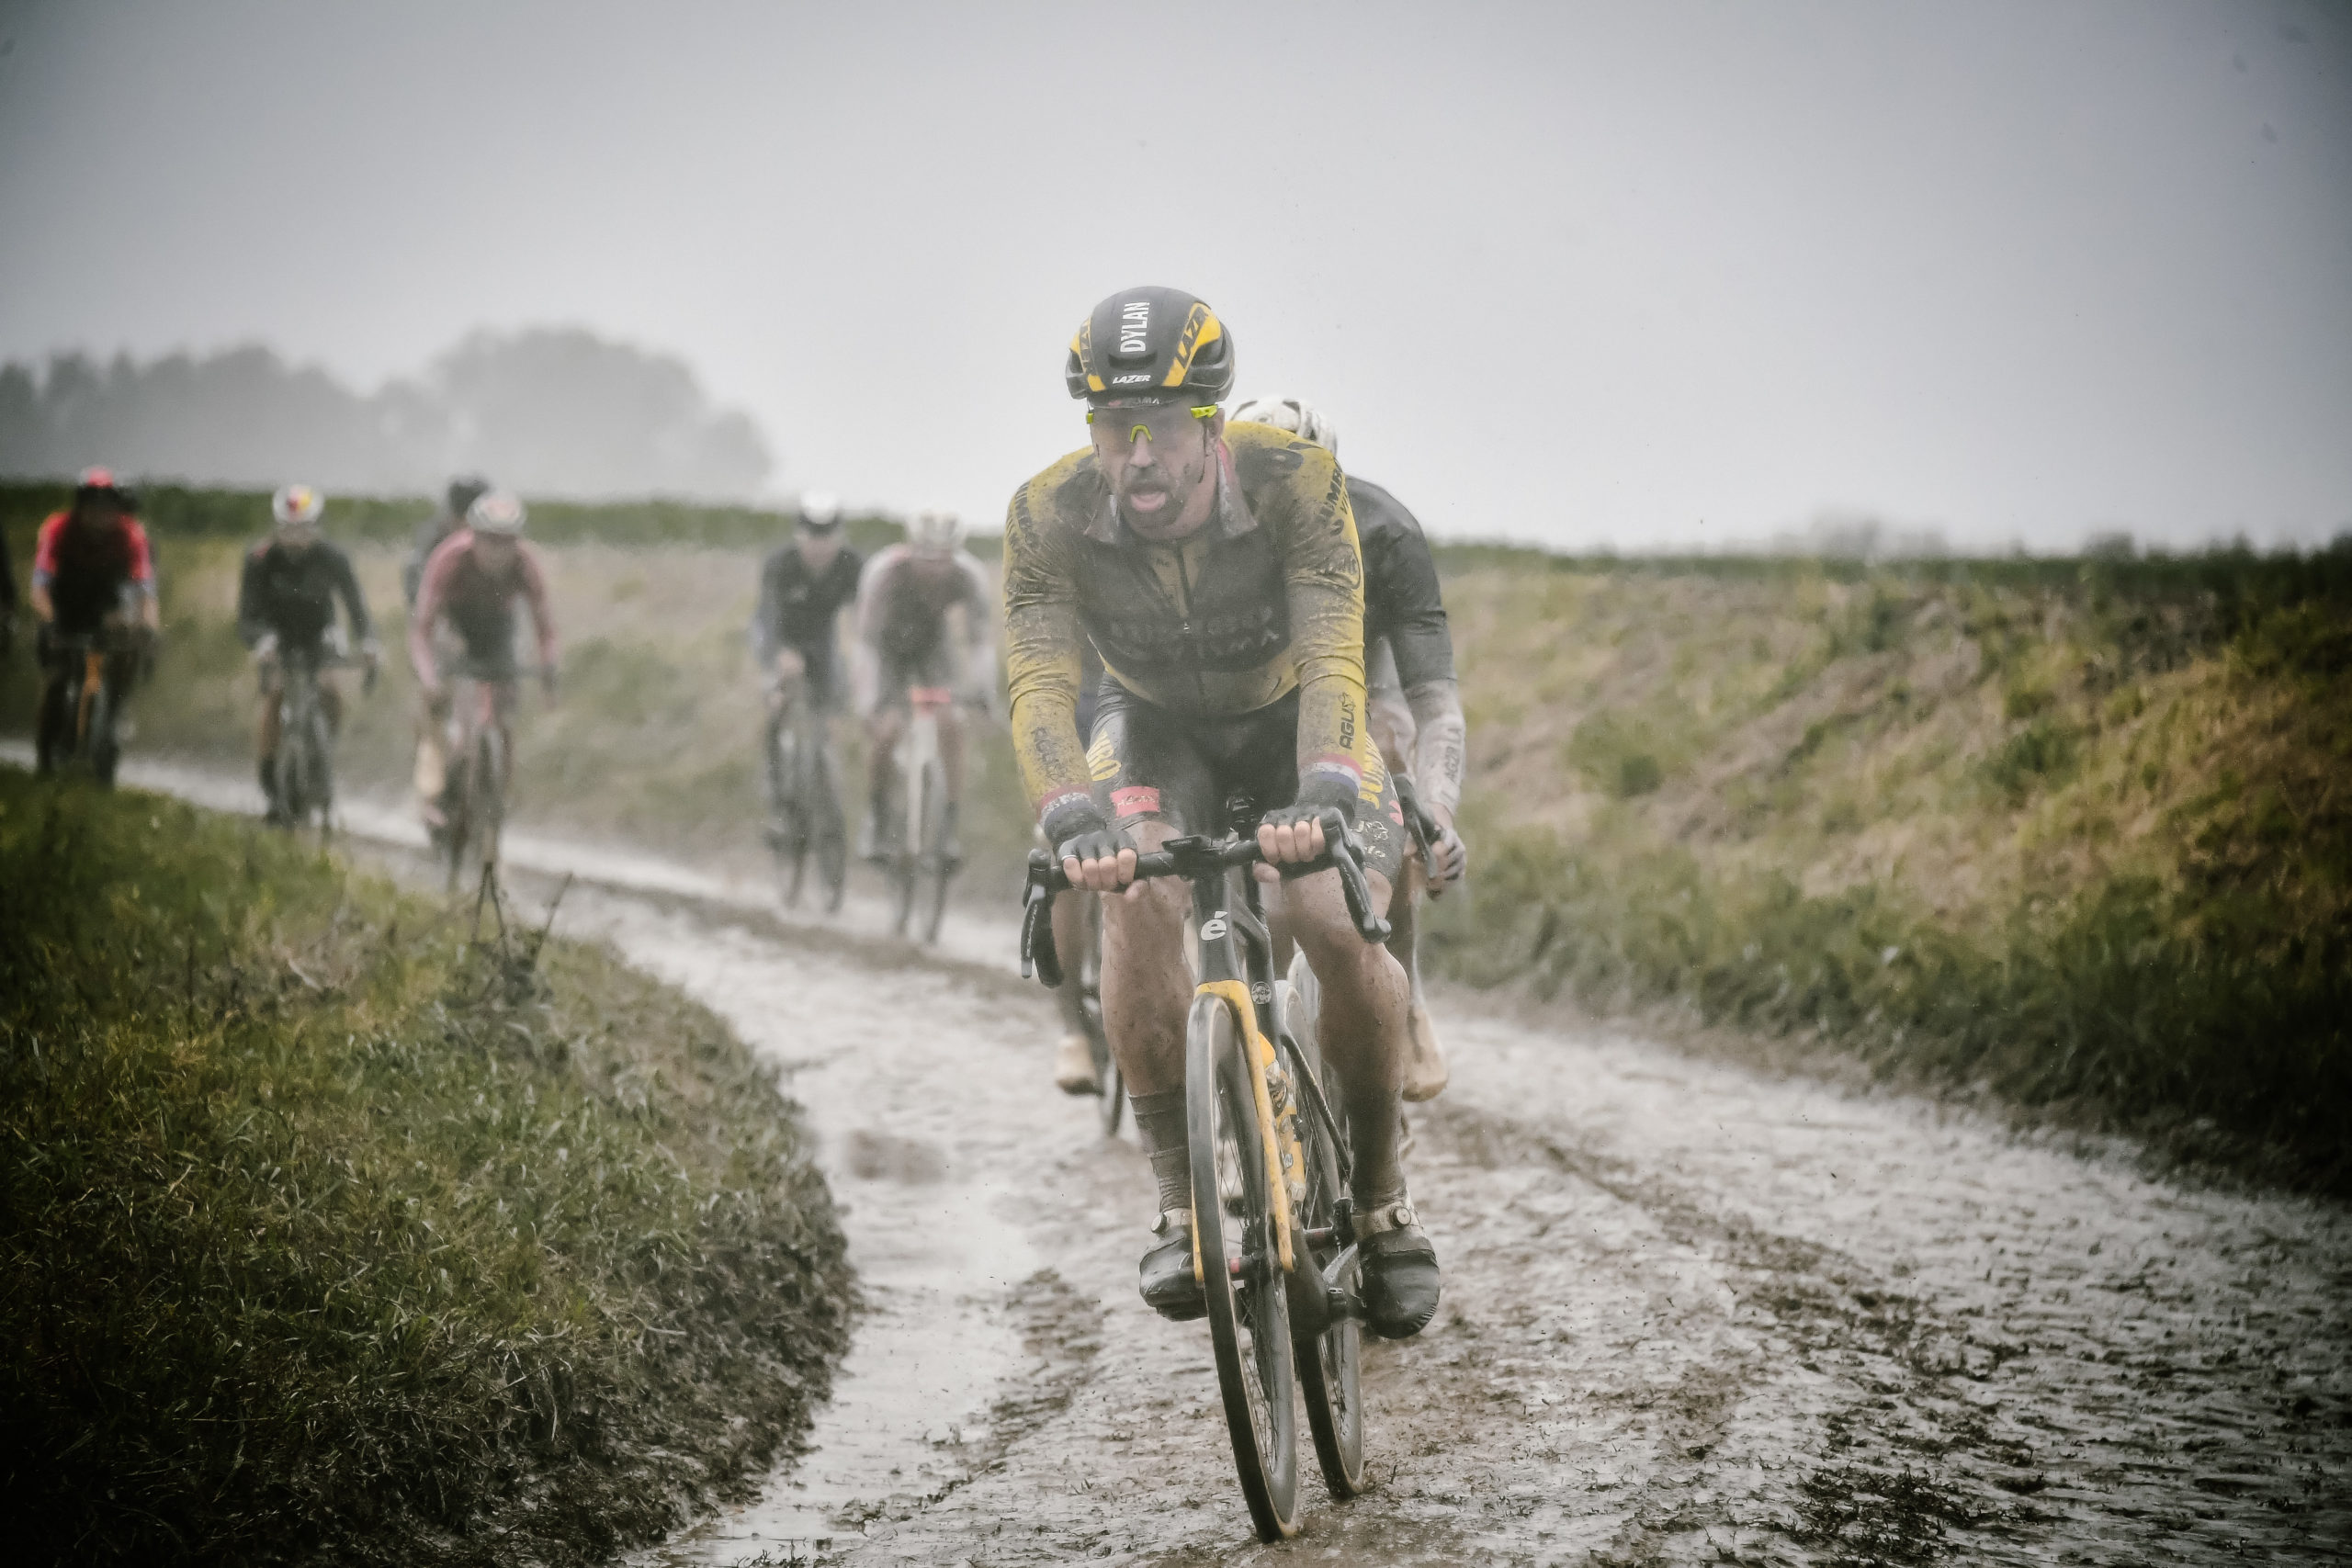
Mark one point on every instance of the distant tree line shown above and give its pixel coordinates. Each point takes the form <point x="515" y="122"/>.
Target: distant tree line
<point x="552" y="411"/>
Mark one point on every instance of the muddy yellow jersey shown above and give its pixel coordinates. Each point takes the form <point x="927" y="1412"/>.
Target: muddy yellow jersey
<point x="1267" y="598"/>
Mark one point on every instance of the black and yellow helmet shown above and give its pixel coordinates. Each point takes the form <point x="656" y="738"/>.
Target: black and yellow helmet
<point x="1150" y="345"/>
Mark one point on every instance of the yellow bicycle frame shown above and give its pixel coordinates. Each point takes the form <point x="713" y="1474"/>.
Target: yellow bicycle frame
<point x="1280" y="1133"/>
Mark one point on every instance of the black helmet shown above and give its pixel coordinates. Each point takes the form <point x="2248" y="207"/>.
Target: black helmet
<point x="464" y="491"/>
<point x="1150" y="345"/>
<point x="96" y="482"/>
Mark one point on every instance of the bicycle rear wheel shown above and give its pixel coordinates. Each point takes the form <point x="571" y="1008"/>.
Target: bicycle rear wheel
<point x="1249" y="1310"/>
<point x="1331" y="1364"/>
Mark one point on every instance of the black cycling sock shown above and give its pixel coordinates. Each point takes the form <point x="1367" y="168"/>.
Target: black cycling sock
<point x="1160" y="1124"/>
<point x="1378" y="1177"/>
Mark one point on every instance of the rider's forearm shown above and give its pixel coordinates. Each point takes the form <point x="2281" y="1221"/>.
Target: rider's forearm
<point x="1042" y="659"/>
<point x="1327" y="627"/>
<point x="1439" y="751"/>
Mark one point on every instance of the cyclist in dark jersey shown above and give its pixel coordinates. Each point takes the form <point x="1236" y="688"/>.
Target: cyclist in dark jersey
<point x="464" y="491"/>
<point x="286" y="600"/>
<point x="804" y="587"/>
<point x="1216" y="570"/>
<point x="1415" y="701"/>
<point x="93" y="572"/>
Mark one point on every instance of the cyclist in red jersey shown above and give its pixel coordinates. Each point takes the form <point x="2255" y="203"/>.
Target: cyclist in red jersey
<point x="904" y="599"/>
<point x="471" y="581"/>
<point x="93" y="572"/>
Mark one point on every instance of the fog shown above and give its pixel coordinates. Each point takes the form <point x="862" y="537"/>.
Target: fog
<point x="1636" y="276"/>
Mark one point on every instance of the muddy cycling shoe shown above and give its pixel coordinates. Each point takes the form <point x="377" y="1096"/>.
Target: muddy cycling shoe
<point x="1400" y="1277"/>
<point x="1165" y="1276"/>
<point x="1074" y="1066"/>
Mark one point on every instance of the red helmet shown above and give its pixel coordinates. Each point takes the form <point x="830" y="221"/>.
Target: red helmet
<point x="96" y="481"/>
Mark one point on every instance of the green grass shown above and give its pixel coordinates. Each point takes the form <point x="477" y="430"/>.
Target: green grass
<point x="2076" y="832"/>
<point x="331" y="1234"/>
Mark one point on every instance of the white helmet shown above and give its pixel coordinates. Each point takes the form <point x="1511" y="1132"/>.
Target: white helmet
<point x="937" y="532"/>
<point x="499" y="512"/>
<point x="297" y="504"/>
<point x="1289" y="413"/>
<point x="819" y="511"/>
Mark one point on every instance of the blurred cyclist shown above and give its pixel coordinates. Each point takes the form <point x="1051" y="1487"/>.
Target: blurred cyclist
<point x="471" y="582"/>
<point x="1414" y="703"/>
<point x="804" y="587"/>
<point x="93" y="573"/>
<point x="904" y="601"/>
<point x="464" y="491"/>
<point x="286" y="610"/>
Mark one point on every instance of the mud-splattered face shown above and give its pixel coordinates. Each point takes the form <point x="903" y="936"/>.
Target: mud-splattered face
<point x="818" y="549"/>
<point x="1160" y="463"/>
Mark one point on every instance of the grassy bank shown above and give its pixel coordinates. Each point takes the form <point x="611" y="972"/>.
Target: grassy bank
<point x="330" y="1235"/>
<point x="2075" y="832"/>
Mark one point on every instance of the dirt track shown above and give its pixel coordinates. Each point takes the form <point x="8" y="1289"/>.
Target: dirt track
<point x="1693" y="1313"/>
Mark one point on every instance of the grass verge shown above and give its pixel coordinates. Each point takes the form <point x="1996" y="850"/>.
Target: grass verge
<point x="328" y="1232"/>
<point x="2081" y="837"/>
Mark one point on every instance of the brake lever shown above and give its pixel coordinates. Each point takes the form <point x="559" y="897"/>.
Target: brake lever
<point x="1346" y="853"/>
<point x="1423" y="822"/>
<point x="1037" y="951"/>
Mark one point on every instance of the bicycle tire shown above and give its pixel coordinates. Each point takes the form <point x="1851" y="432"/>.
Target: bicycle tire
<point x="105" y="752"/>
<point x="1331" y="1364"/>
<point x="936" y="870"/>
<point x="1114" y="1105"/>
<point x="788" y="835"/>
<point x="490" y="794"/>
<point x="1249" y="1315"/>
<point x="832" y="832"/>
<point x="321" y="769"/>
<point x="456" y="804"/>
<point x="293" y="766"/>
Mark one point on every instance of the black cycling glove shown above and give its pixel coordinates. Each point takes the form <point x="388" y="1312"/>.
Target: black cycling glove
<point x="1077" y="832"/>
<point x="1319" y="793"/>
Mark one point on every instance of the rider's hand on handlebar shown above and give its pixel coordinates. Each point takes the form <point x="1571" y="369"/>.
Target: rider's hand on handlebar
<point x="1095" y="855"/>
<point x="1295" y="832"/>
<point x="1449" y="857"/>
<point x="265" y="648"/>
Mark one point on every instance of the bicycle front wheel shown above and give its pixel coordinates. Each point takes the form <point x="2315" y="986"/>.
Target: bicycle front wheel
<point x="1098" y="1039"/>
<point x="1331" y="1364"/>
<point x="1248" y="1309"/>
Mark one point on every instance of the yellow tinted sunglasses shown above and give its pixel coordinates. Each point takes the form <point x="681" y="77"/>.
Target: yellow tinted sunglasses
<point x="1156" y="424"/>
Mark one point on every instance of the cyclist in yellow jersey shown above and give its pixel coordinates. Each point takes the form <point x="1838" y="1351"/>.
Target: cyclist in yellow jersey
<point x="1217" y="572"/>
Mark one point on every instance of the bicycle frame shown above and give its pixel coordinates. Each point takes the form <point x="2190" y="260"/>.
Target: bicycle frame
<point x="1237" y="967"/>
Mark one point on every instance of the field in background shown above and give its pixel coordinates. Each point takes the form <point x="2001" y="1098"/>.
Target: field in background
<point x="2080" y="831"/>
<point x="2073" y="831"/>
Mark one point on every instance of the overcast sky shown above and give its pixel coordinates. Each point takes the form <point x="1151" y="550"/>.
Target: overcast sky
<point x="1636" y="274"/>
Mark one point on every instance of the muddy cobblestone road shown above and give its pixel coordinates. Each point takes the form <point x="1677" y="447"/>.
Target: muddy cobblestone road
<point x="1693" y="1315"/>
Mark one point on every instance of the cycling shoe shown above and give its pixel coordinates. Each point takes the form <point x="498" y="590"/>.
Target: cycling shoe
<point x="1400" y="1274"/>
<point x="1165" y="1276"/>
